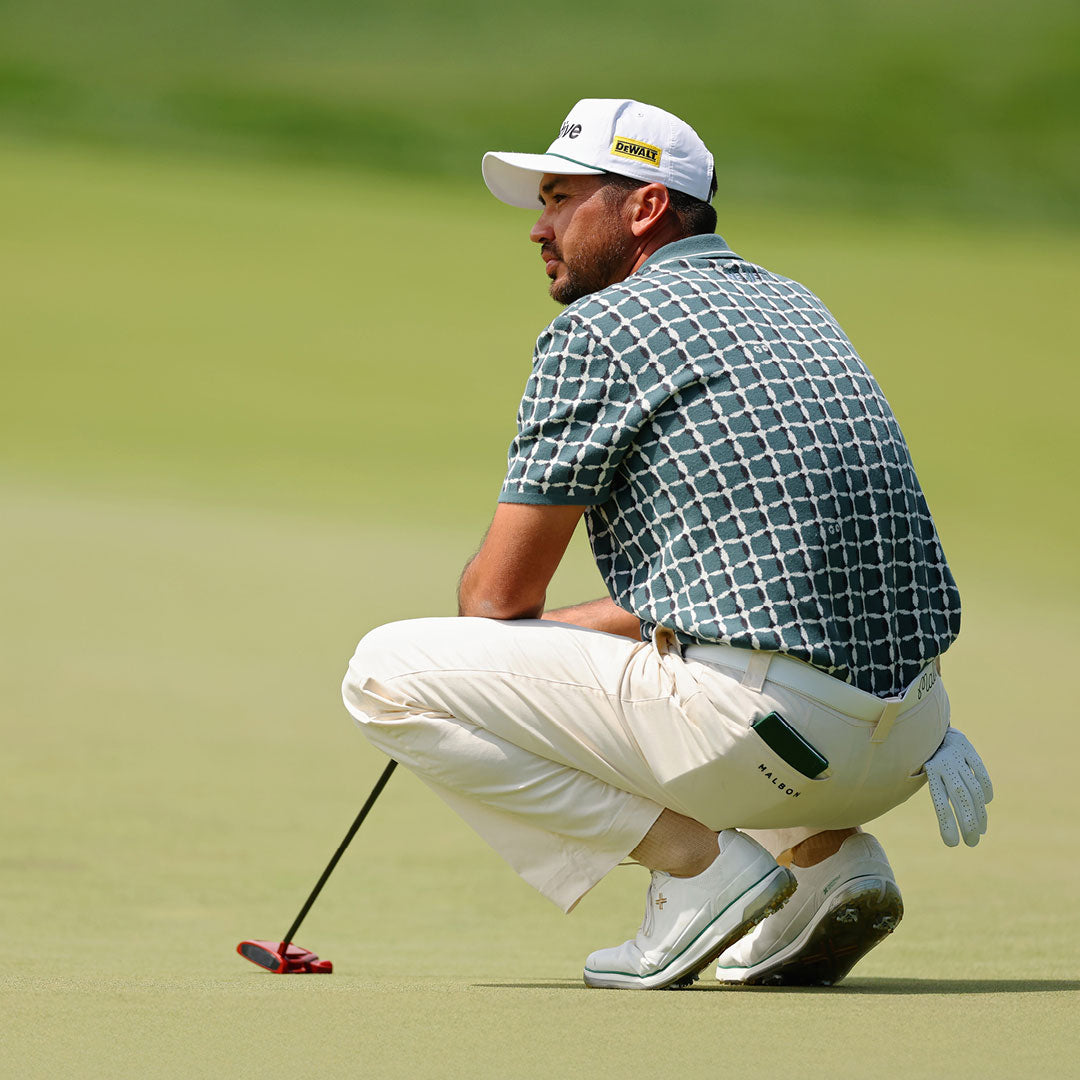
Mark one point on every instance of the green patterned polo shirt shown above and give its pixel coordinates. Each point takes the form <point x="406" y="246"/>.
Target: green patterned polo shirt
<point x="745" y="478"/>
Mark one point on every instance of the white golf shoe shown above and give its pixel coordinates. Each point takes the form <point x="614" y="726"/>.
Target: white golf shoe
<point x="691" y="921"/>
<point x="845" y="905"/>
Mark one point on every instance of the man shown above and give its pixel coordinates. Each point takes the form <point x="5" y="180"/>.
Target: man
<point x="767" y="657"/>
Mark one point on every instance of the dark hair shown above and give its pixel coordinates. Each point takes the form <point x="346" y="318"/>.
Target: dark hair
<point x="695" y="215"/>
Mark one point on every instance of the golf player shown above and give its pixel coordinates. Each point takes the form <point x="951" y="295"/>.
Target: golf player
<point x="764" y="674"/>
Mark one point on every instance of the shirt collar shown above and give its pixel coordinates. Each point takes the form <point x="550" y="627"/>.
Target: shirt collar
<point x="688" y="248"/>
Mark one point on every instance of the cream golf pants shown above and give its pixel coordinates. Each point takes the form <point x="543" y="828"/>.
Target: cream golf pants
<point x="561" y="746"/>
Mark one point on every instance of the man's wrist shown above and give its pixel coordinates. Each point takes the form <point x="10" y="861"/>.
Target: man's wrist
<point x="603" y="614"/>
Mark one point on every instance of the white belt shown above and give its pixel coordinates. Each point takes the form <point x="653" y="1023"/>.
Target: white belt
<point x="807" y="680"/>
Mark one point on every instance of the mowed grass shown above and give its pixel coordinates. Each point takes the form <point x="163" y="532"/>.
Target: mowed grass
<point x="179" y="770"/>
<point x="249" y="415"/>
<point x="971" y="110"/>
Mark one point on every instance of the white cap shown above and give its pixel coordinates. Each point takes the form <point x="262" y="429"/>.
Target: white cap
<point x="608" y="135"/>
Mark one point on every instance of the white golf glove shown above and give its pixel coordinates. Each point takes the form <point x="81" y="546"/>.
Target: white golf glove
<point x="956" y="775"/>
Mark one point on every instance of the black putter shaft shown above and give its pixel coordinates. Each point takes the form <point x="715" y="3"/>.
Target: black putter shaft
<point x="375" y="792"/>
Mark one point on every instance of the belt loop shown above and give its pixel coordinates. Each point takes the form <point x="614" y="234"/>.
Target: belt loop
<point x="893" y="708"/>
<point x="757" y="667"/>
<point x="886" y="721"/>
<point x="665" y="641"/>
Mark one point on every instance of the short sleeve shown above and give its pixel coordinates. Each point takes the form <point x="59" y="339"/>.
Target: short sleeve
<point x="576" y="420"/>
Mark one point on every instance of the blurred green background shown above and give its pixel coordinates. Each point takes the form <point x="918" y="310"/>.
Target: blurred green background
<point x="263" y="334"/>
<point x="926" y="104"/>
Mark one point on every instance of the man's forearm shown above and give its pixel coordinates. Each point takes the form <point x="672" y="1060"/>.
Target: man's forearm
<point x="481" y="596"/>
<point x="508" y="577"/>
<point x="602" y="614"/>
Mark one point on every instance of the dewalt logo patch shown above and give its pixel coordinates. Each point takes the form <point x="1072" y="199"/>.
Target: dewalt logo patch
<point x="636" y="151"/>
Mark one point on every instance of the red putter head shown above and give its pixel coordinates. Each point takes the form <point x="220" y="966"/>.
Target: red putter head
<point x="292" y="960"/>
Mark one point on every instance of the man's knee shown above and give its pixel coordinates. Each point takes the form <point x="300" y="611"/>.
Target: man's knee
<point x="390" y="709"/>
<point x="378" y="658"/>
<point x="374" y="687"/>
<point x="383" y="651"/>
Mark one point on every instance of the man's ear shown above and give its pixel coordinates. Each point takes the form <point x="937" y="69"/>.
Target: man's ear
<point x="647" y="207"/>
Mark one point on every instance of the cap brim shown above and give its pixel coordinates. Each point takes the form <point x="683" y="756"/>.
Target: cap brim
<point x="515" y="178"/>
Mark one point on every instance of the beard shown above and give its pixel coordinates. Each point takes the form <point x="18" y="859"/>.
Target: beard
<point x="599" y="261"/>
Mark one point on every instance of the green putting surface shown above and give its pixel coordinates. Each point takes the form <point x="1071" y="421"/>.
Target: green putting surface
<point x="250" y="413"/>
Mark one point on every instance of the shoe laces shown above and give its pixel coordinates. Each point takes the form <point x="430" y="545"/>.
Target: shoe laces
<point x="656" y="886"/>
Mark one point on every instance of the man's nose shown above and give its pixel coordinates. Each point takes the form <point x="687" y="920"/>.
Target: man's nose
<point x="541" y="232"/>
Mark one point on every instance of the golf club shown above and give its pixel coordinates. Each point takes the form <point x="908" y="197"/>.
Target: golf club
<point x="285" y="958"/>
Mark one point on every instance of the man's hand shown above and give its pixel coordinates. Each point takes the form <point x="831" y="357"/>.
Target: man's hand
<point x="508" y="577"/>
<point x="956" y="775"/>
<point x="602" y="614"/>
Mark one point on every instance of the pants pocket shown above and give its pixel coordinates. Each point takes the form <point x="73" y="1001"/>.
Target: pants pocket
<point x="746" y="782"/>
